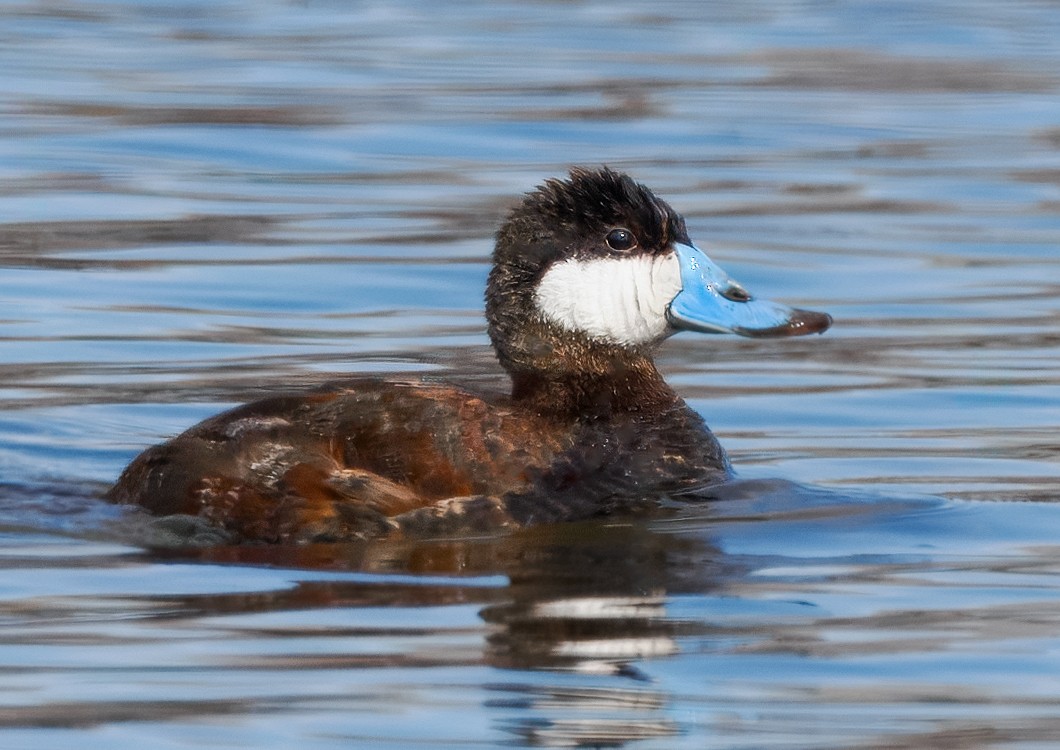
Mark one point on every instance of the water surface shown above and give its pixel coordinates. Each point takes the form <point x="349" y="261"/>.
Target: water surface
<point x="201" y="203"/>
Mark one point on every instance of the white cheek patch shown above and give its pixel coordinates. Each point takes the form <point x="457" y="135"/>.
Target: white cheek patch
<point x="617" y="300"/>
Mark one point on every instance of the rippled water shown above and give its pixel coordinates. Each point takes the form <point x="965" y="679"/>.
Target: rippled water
<point x="204" y="202"/>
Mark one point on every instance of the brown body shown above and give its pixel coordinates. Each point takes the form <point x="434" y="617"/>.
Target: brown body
<point x="372" y="458"/>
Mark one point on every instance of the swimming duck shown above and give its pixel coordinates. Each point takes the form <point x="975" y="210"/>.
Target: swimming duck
<point x="590" y="274"/>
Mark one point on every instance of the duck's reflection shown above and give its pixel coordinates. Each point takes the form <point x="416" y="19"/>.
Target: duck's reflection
<point x="591" y="601"/>
<point x="592" y="597"/>
<point x="586" y="631"/>
<point x="585" y="603"/>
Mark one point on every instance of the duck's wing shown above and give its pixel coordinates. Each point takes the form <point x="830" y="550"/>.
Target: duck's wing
<point x="340" y="463"/>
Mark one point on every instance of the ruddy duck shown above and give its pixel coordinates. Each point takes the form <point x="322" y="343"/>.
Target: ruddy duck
<point x="590" y="274"/>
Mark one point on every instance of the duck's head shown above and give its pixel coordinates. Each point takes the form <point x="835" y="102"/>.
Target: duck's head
<point x="595" y="268"/>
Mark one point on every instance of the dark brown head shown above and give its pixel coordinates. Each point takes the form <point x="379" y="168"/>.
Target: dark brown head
<point x="592" y="272"/>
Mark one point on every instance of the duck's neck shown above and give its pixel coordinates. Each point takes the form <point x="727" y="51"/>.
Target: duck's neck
<point x="624" y="386"/>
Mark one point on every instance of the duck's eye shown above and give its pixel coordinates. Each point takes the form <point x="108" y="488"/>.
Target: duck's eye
<point x="621" y="239"/>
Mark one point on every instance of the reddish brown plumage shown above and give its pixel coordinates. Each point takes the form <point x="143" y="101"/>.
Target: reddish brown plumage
<point x="374" y="458"/>
<point x="342" y="463"/>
